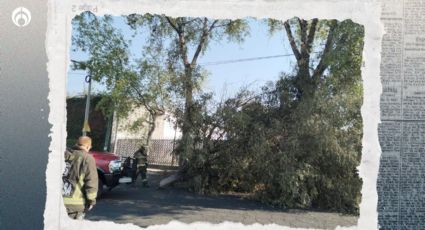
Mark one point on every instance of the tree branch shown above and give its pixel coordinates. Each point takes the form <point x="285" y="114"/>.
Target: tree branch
<point x="303" y="29"/>
<point x="311" y="33"/>
<point x="223" y="25"/>
<point x="79" y="64"/>
<point x="292" y="41"/>
<point x="143" y="100"/>
<point x="173" y="25"/>
<point x="187" y="22"/>
<point x="213" y="25"/>
<point x="305" y="54"/>
<point x="182" y="46"/>
<point x="321" y="67"/>
<point x="204" y="36"/>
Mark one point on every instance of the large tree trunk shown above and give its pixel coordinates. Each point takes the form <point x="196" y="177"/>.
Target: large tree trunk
<point x="306" y="81"/>
<point x="188" y="84"/>
<point x="152" y="126"/>
<point x="187" y="117"/>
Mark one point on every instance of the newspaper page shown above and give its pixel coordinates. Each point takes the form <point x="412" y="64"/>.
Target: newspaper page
<point x="401" y="132"/>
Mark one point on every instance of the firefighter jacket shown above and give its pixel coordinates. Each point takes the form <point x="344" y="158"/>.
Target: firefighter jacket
<point x="141" y="158"/>
<point x="80" y="180"/>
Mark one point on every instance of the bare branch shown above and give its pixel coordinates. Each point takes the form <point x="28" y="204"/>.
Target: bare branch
<point x="143" y="100"/>
<point x="311" y="33"/>
<point x="292" y="41"/>
<point x="79" y="64"/>
<point x="303" y="29"/>
<point x="204" y="36"/>
<point x="213" y="25"/>
<point x="76" y="62"/>
<point x="223" y="25"/>
<point x="173" y="25"/>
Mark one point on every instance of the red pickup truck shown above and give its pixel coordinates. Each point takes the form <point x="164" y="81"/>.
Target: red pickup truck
<point x="109" y="169"/>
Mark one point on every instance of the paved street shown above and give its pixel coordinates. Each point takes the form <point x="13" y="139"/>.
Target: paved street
<point x="149" y="206"/>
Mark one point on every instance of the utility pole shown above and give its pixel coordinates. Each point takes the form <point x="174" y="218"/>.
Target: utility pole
<point x="86" y="126"/>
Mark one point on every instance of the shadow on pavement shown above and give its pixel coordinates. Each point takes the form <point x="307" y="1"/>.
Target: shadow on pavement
<point x="147" y="206"/>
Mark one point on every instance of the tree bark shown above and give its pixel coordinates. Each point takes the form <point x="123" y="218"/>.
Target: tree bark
<point x="321" y="67"/>
<point x="152" y="126"/>
<point x="307" y="81"/>
<point x="189" y="67"/>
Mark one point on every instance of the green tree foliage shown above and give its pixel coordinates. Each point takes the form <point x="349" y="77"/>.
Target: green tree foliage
<point x="130" y="83"/>
<point x="296" y="144"/>
<point x="167" y="70"/>
<point x="183" y="40"/>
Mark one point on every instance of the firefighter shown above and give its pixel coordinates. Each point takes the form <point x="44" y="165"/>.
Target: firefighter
<point x="80" y="179"/>
<point x="141" y="163"/>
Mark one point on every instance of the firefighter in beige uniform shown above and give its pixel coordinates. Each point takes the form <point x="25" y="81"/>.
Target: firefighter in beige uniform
<point x="141" y="162"/>
<point x="80" y="180"/>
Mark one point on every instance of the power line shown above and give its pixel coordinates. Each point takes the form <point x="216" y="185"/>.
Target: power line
<point x="244" y="59"/>
<point x="74" y="73"/>
<point x="226" y="61"/>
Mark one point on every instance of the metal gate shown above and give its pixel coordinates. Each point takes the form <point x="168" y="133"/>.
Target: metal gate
<point x="160" y="151"/>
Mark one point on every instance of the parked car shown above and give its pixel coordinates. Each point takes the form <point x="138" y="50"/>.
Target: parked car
<point x="109" y="169"/>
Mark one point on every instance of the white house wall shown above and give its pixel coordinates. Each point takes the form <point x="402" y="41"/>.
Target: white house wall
<point x="164" y="128"/>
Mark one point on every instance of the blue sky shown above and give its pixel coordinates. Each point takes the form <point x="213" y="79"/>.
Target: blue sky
<point x="224" y="80"/>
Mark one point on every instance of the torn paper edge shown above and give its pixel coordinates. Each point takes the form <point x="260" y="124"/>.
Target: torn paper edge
<point x="60" y="14"/>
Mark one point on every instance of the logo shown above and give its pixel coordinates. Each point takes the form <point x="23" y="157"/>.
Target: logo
<point x="21" y="16"/>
